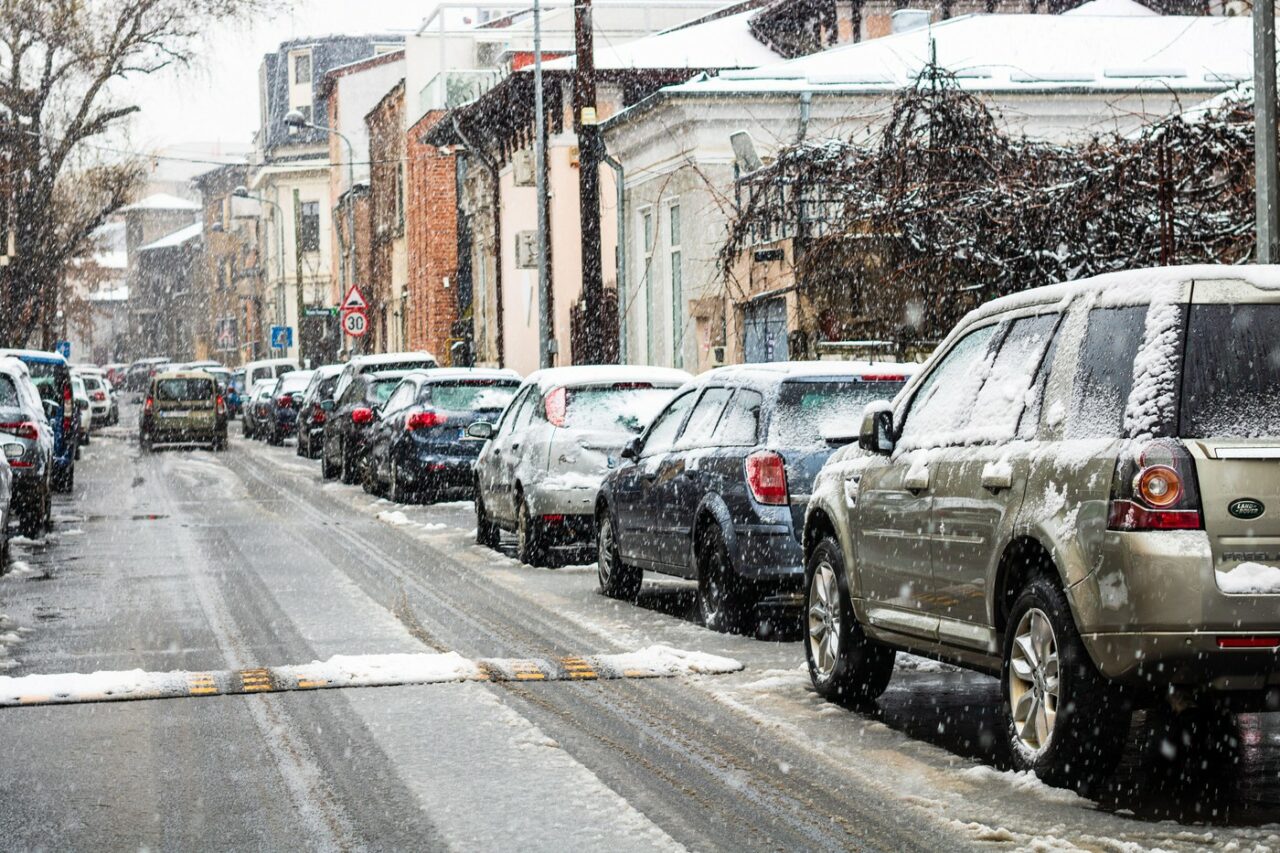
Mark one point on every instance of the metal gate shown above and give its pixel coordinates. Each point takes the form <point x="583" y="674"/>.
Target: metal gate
<point x="764" y="330"/>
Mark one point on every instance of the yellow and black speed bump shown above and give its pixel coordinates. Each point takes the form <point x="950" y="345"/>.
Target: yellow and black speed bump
<point x="352" y="671"/>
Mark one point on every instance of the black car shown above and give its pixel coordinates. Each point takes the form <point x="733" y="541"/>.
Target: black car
<point x="348" y="420"/>
<point x="716" y="488"/>
<point x="283" y="405"/>
<point x="418" y="448"/>
<point x="311" y="413"/>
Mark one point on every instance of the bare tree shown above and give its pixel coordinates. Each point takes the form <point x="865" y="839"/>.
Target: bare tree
<point x="63" y="67"/>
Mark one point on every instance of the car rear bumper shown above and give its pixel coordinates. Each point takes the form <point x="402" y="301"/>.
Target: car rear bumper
<point x="572" y="501"/>
<point x="1191" y="659"/>
<point x="435" y="470"/>
<point x="769" y="552"/>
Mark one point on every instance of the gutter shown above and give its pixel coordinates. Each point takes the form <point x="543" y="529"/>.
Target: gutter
<point x="497" y="238"/>
<point x="620" y="253"/>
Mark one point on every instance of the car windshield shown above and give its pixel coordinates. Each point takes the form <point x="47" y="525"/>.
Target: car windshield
<point x="807" y="413"/>
<point x="623" y="406"/>
<point x="472" y="395"/>
<point x="48" y="378"/>
<point x="173" y="390"/>
<point x="1231" y="375"/>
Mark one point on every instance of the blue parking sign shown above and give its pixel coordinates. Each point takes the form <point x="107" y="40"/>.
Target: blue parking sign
<point x="63" y="348"/>
<point x="281" y="337"/>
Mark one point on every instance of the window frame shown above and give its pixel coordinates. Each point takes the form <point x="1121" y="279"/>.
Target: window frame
<point x="717" y="436"/>
<point x="691" y="394"/>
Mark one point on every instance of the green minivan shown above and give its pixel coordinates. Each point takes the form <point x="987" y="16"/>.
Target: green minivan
<point x="184" y="407"/>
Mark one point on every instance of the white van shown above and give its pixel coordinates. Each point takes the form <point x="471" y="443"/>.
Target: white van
<point x="267" y="368"/>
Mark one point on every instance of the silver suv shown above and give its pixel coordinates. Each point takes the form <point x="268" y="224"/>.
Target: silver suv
<point x="1080" y="494"/>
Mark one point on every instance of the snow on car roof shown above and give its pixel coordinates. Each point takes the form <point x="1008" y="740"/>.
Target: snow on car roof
<point x="446" y="374"/>
<point x="777" y="370"/>
<point x="391" y="357"/>
<point x="34" y="355"/>
<point x="599" y="374"/>
<point x="328" y="370"/>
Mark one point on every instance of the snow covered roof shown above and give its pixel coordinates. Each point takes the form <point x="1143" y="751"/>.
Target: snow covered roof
<point x="1116" y="8"/>
<point x="1010" y="53"/>
<point x="162" y="201"/>
<point x="115" y="294"/>
<point x="721" y="43"/>
<point x="177" y="238"/>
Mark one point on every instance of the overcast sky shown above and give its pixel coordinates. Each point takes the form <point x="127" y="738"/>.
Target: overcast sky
<point x="216" y="100"/>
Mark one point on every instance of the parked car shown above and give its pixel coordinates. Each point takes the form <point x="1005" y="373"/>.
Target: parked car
<point x="283" y="405"/>
<point x="84" y="413"/>
<point x="51" y="376"/>
<point x="138" y="376"/>
<point x="235" y="393"/>
<point x="347" y="422"/>
<point x="256" y="408"/>
<point x="115" y="375"/>
<point x="267" y="368"/>
<point x="6" y="503"/>
<point x="418" y="449"/>
<point x="1075" y="495"/>
<point x="183" y="407"/>
<point x="99" y="401"/>
<point x="382" y="362"/>
<point x="715" y="490"/>
<point x="311" y="414"/>
<point x="543" y="462"/>
<point x="27" y="440"/>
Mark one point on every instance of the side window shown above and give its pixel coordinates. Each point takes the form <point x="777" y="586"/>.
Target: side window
<point x="1011" y="382"/>
<point x="510" y="413"/>
<point x="401" y="397"/>
<point x="942" y="405"/>
<point x="525" y="414"/>
<point x="354" y="393"/>
<point x="740" y="423"/>
<point x="662" y="434"/>
<point x="704" y="417"/>
<point x="1104" y="375"/>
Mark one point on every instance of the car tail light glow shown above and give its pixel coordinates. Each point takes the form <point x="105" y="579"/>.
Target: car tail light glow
<point x="767" y="477"/>
<point x="1238" y="642"/>
<point x="284" y="400"/>
<point x="66" y="408"/>
<point x="557" y="405"/>
<point x="361" y="415"/>
<point x="426" y="419"/>
<point x="100" y="396"/>
<point x="149" y="405"/>
<point x="222" y="405"/>
<point x="318" y="417"/>
<point x="21" y="429"/>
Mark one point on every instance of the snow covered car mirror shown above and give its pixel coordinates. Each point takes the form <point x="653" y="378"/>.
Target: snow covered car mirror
<point x="482" y="430"/>
<point x="877" y="430"/>
<point x="632" y="449"/>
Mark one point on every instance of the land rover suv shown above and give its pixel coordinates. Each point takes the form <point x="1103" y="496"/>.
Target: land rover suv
<point x="1080" y="494"/>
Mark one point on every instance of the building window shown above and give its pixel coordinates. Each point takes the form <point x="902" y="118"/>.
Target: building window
<point x="677" y="287"/>
<point x="309" y="227"/>
<point x="302" y="68"/>
<point x="646" y="278"/>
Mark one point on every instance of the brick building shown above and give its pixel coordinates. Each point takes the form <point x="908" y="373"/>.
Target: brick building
<point x="389" y="261"/>
<point x="436" y="295"/>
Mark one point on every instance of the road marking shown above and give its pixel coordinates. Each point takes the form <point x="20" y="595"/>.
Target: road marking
<point x="353" y="671"/>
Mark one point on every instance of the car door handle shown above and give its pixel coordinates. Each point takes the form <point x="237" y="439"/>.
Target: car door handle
<point x="515" y="445"/>
<point x="995" y="478"/>
<point x="917" y="480"/>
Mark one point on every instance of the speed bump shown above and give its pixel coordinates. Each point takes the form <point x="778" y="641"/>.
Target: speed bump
<point x="354" y="671"/>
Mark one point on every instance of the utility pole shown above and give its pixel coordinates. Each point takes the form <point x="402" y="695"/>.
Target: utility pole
<point x="546" y="307"/>
<point x="1264" y="115"/>
<point x="297" y="264"/>
<point x="590" y="150"/>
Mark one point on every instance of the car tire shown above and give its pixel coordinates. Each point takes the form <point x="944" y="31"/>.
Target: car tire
<point x="66" y="481"/>
<point x="297" y="448"/>
<point x="617" y="579"/>
<point x="327" y="470"/>
<point x="244" y="429"/>
<point x="845" y="665"/>
<point x="32" y="519"/>
<point x="488" y="533"/>
<point x="726" y="602"/>
<point x="346" y="468"/>
<point x="1062" y="719"/>
<point x="530" y="539"/>
<point x="396" y="492"/>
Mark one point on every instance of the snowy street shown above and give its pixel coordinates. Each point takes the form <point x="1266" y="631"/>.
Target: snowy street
<point x="215" y="563"/>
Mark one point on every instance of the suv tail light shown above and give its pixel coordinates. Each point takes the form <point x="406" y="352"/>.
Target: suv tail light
<point x="361" y="415"/>
<point x="767" y="477"/>
<point x="1155" y="491"/>
<point x="21" y="429"/>
<point x="424" y="420"/>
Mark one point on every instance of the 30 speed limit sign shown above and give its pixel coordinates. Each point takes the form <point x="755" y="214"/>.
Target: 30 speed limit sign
<point x="355" y="323"/>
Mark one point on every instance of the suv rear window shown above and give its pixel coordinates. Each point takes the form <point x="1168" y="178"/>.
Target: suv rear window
<point x="807" y="412"/>
<point x="184" y="389"/>
<point x="1231" y="376"/>
<point x="471" y="396"/>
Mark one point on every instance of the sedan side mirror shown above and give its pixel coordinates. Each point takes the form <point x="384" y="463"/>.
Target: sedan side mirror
<point x="327" y="405"/>
<point x="632" y="449"/>
<point x="482" y="430"/>
<point x="877" y="431"/>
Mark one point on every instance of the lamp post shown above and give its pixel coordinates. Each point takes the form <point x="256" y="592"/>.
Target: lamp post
<point x="243" y="192"/>
<point x="295" y="119"/>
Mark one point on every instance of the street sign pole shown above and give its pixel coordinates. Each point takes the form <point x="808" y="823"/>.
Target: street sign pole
<point x="1264" y="113"/>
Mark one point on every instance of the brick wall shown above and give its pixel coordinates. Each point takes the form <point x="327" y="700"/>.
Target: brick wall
<point x="386" y="155"/>
<point x="431" y="227"/>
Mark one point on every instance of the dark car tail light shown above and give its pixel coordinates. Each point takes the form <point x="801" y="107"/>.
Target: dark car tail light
<point x="557" y="405"/>
<point x="1156" y="490"/>
<point x="767" y="477"/>
<point x="285" y="400"/>
<point x="426" y="419"/>
<point x="21" y="429"/>
<point x="318" y="417"/>
<point x="149" y="405"/>
<point x="66" y="408"/>
<point x="1236" y="641"/>
<point x="361" y="415"/>
<point x="885" y="377"/>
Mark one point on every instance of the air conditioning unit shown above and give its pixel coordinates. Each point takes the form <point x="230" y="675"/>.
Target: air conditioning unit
<point x="717" y="356"/>
<point x="522" y="168"/>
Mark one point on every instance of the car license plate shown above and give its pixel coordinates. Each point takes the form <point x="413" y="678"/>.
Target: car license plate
<point x="173" y="414"/>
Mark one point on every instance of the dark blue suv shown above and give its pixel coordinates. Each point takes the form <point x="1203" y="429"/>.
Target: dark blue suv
<point x="715" y="490"/>
<point x="52" y="378"/>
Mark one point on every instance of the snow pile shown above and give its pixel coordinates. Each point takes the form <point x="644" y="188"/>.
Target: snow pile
<point x="393" y="517"/>
<point x="1250" y="578"/>
<point x="90" y="687"/>
<point x="664" y="660"/>
<point x="371" y="670"/>
<point x="1023" y="781"/>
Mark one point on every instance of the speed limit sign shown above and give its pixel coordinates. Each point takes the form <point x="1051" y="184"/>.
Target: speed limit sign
<point x="355" y="323"/>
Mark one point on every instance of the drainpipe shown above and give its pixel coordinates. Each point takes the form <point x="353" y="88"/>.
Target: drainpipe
<point x="620" y="256"/>
<point x="497" y="238"/>
<point x="806" y="98"/>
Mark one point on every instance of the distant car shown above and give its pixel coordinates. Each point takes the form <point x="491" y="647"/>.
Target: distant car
<point x="255" y="409"/>
<point x="27" y="441"/>
<point x="6" y="501"/>
<point x="99" y="401"/>
<point x="115" y="375"/>
<point x="183" y="407"/>
<point x="418" y="447"/>
<point x="715" y="490"/>
<point x="84" y="414"/>
<point x="348" y="420"/>
<point x="382" y="362"/>
<point x="283" y="405"/>
<point x="267" y="368"/>
<point x="139" y="373"/>
<point x="235" y="393"/>
<point x="52" y="378"/>
<point x="543" y="462"/>
<point x="311" y="414"/>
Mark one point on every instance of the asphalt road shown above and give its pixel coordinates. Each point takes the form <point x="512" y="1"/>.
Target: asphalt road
<point x="190" y="560"/>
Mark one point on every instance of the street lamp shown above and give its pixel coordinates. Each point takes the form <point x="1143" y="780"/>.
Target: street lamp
<point x="243" y="192"/>
<point x="295" y="119"/>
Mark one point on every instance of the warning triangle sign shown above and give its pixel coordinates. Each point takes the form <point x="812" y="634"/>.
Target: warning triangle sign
<point x="354" y="300"/>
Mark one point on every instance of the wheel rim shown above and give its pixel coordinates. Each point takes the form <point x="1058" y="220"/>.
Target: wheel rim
<point x="1033" y="680"/>
<point x="604" y="562"/>
<point x="711" y="588"/>
<point x="824" y="619"/>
